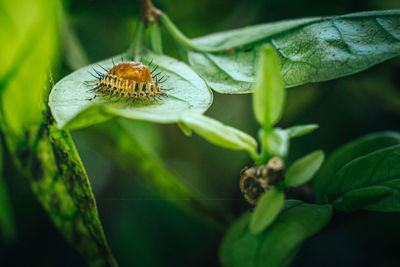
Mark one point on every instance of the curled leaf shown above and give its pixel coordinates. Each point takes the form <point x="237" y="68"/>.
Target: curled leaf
<point x="220" y="134"/>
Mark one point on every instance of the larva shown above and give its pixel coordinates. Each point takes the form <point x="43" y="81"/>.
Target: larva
<point x="130" y="80"/>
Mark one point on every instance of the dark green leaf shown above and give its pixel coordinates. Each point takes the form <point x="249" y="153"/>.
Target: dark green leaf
<point x="52" y="165"/>
<point x="324" y="183"/>
<point x="368" y="182"/>
<point x="300" y="130"/>
<point x="269" y="93"/>
<point x="267" y="208"/>
<point x="311" y="49"/>
<point x="71" y="107"/>
<point x="62" y="186"/>
<point x="237" y="230"/>
<point x="303" y="169"/>
<point x="279" y="243"/>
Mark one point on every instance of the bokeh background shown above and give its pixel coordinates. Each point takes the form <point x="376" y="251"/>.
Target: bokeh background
<point x="142" y="228"/>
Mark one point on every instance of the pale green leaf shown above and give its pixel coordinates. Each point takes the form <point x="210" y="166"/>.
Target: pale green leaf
<point x="303" y="169"/>
<point x="269" y="93"/>
<point x="71" y="107"/>
<point x="300" y="130"/>
<point x="268" y="207"/>
<point x="275" y="142"/>
<point x="219" y="134"/>
<point x="29" y="45"/>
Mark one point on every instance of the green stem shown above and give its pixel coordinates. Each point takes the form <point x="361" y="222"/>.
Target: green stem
<point x="120" y="143"/>
<point x="263" y="156"/>
<point x="155" y="37"/>
<point x="254" y="155"/>
<point x="74" y="54"/>
<point x="137" y="44"/>
<point x="180" y="37"/>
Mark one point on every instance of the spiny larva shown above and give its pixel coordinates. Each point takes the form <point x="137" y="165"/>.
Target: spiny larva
<point x="130" y="80"/>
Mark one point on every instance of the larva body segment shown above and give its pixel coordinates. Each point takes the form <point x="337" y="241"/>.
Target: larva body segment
<point x="130" y="80"/>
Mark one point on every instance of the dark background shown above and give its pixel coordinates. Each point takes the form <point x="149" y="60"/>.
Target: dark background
<point x="144" y="230"/>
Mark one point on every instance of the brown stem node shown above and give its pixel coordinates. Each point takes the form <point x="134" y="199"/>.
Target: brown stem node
<point x="148" y="12"/>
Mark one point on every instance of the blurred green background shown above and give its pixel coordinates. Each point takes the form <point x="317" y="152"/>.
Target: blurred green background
<point x="142" y="228"/>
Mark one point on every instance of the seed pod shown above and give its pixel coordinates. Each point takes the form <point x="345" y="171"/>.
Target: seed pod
<point x="255" y="180"/>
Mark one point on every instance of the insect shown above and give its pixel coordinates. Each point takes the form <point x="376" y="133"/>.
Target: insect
<point x="130" y="80"/>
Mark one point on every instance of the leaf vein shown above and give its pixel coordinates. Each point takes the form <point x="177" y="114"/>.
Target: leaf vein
<point x="334" y="24"/>
<point x="378" y="163"/>
<point x="377" y="20"/>
<point x="273" y="42"/>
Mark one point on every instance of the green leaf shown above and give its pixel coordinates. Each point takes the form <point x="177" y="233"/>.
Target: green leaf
<point x="303" y="169"/>
<point x="62" y="186"/>
<point x="275" y="142"/>
<point x="280" y="242"/>
<point x="57" y="177"/>
<point x="220" y="134"/>
<point x="310" y="49"/>
<point x="238" y="228"/>
<point x="29" y="47"/>
<point x="267" y="208"/>
<point x="269" y="93"/>
<point x="300" y="130"/>
<point x="7" y="226"/>
<point x="369" y="182"/>
<point x="71" y="107"/>
<point x="46" y="156"/>
<point x="324" y="183"/>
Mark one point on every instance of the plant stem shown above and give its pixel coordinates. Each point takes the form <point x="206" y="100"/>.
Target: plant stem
<point x="155" y="36"/>
<point x="180" y="37"/>
<point x="254" y="155"/>
<point x="120" y="142"/>
<point x="150" y="14"/>
<point x="137" y="43"/>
